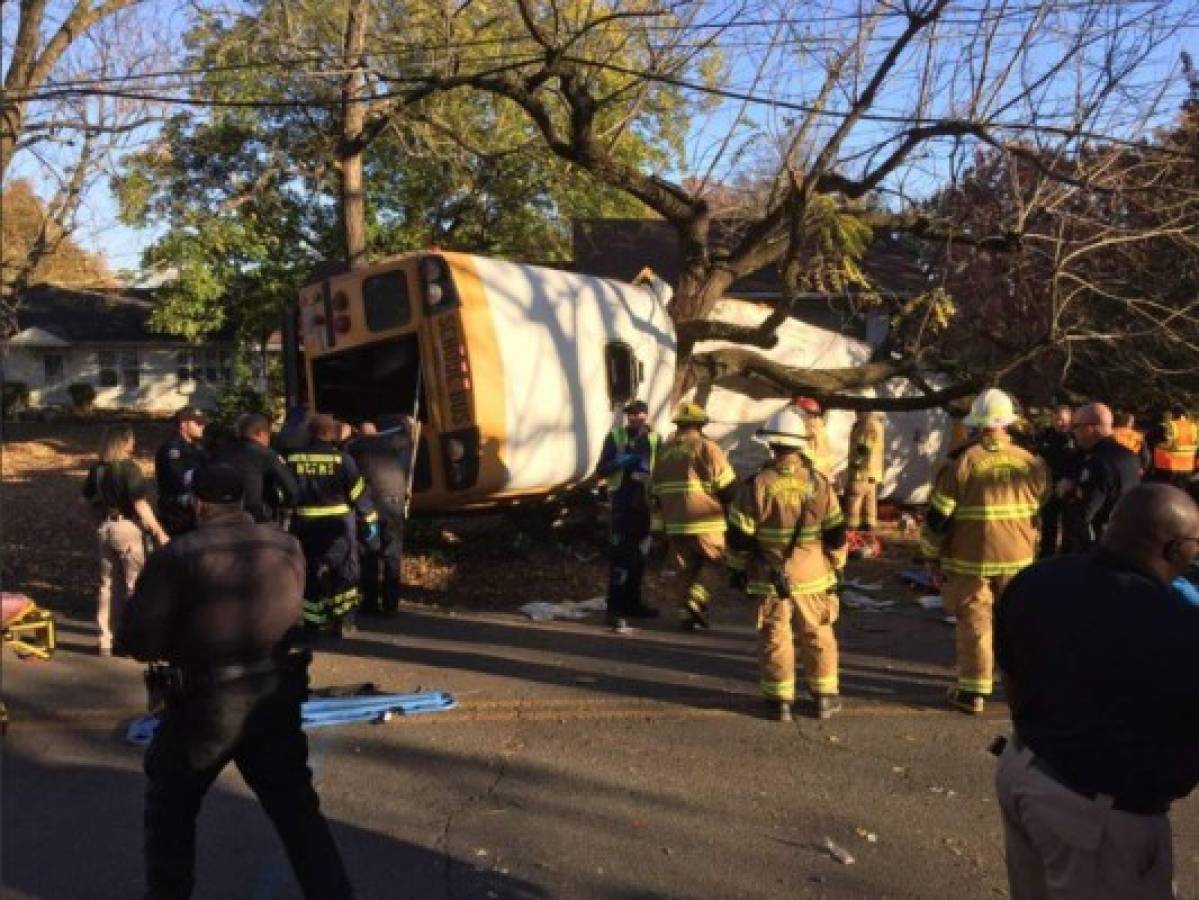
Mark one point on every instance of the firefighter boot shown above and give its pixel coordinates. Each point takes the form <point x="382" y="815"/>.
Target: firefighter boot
<point x="966" y="701"/>
<point x="779" y="710"/>
<point x="695" y="617"/>
<point x="827" y="705"/>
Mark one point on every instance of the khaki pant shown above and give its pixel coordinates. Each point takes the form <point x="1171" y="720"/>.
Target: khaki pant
<point x="1062" y="846"/>
<point x="699" y="561"/>
<point x="861" y="504"/>
<point x="972" y="599"/>
<point x="812" y="615"/>
<point x="122" y="556"/>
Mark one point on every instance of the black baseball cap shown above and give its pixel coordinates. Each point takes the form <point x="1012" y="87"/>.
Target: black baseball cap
<point x="218" y="483"/>
<point x="636" y="406"/>
<point x="190" y="414"/>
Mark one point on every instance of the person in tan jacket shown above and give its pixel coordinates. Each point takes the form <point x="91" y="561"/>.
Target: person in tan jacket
<point x="692" y="483"/>
<point x="981" y="531"/>
<point x="865" y="472"/>
<point x="787" y="545"/>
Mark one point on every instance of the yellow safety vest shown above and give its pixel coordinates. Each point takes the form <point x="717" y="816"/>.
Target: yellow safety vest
<point x="620" y="437"/>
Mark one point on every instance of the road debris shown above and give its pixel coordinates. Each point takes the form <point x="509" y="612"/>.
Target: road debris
<point x="857" y="600"/>
<point x="868" y="836"/>
<point x="839" y="853"/>
<point x="544" y="611"/>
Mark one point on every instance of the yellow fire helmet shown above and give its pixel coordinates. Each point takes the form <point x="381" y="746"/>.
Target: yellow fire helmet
<point x="992" y="409"/>
<point x="689" y="413"/>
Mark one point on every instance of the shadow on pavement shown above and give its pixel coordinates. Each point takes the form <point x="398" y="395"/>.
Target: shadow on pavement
<point x="726" y="659"/>
<point x="75" y="831"/>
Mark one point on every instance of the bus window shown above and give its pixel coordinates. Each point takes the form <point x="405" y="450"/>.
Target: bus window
<point x="385" y="301"/>
<point x="624" y="372"/>
<point x="366" y="382"/>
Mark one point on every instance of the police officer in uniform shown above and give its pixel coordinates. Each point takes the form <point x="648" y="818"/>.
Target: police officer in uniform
<point x="217" y="604"/>
<point x="179" y="456"/>
<point x="270" y="486"/>
<point x="333" y="496"/>
<point x="385" y="459"/>
<point x="1106" y="472"/>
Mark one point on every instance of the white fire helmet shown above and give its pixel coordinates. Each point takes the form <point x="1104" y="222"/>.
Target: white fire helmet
<point x="786" y="428"/>
<point x="992" y="409"/>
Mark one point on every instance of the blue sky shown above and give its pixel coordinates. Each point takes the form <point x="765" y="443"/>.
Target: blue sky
<point x="791" y="73"/>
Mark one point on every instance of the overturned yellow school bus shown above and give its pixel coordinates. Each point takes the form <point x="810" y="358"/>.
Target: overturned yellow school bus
<point x="515" y="372"/>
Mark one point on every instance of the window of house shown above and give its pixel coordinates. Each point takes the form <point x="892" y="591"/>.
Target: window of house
<point x="210" y="366"/>
<point x="52" y="368"/>
<point x="624" y="372"/>
<point x="106" y="362"/>
<point x="131" y="370"/>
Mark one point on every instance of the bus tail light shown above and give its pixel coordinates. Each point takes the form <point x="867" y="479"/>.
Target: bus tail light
<point x="460" y="455"/>
<point x="342" y="324"/>
<point x="438" y="285"/>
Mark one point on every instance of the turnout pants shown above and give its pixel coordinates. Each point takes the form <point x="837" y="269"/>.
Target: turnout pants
<point x="810" y="617"/>
<point x="1061" y="846"/>
<point x="255" y="724"/>
<point x="122" y="557"/>
<point x="861" y="505"/>
<point x="699" y="561"/>
<point x="628" y="552"/>
<point x="971" y="599"/>
<point x="381" y="569"/>
<point x="332" y="568"/>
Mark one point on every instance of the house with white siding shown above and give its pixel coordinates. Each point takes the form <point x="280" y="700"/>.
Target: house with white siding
<point x="102" y="337"/>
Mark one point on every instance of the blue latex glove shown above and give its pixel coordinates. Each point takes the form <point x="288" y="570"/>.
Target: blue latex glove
<point x="1187" y="589"/>
<point x="628" y="461"/>
<point x="370" y="535"/>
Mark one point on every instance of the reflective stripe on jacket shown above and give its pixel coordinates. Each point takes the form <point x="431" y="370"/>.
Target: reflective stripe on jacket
<point x="764" y="517"/>
<point x="620" y="440"/>
<point x="330" y="484"/>
<point x="983" y="509"/>
<point x="690" y="474"/>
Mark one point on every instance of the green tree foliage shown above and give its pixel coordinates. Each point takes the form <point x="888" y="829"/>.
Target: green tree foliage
<point x="249" y="195"/>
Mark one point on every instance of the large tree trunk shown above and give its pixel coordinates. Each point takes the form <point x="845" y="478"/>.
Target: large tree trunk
<point x="351" y="146"/>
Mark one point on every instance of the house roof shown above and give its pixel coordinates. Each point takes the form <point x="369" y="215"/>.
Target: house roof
<point x="88" y="316"/>
<point x="621" y="248"/>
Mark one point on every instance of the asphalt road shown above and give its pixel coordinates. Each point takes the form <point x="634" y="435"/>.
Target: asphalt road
<point x="579" y="765"/>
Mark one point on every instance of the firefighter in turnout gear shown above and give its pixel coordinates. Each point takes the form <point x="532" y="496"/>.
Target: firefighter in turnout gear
<point x="692" y="483"/>
<point x="981" y="531"/>
<point x="626" y="462"/>
<point x="865" y="472"/>
<point x="817" y="449"/>
<point x="787" y="546"/>
<point x="332" y="496"/>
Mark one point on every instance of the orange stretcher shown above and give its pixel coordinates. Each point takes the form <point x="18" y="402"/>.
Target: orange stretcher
<point x="27" y="628"/>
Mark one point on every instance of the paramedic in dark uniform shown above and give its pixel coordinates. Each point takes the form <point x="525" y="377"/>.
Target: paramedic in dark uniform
<point x="270" y="486"/>
<point x="176" y="459"/>
<point x="333" y="506"/>
<point x="384" y="458"/>
<point x="217" y="604"/>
